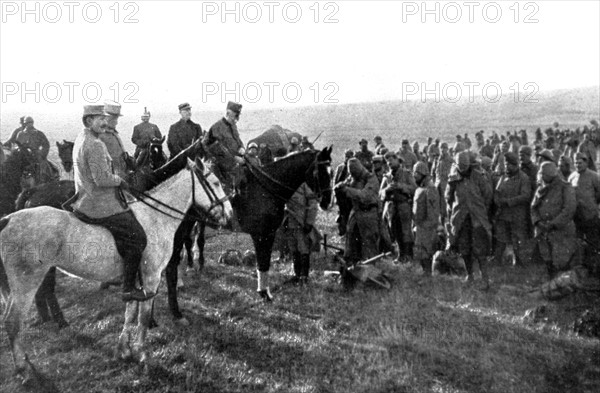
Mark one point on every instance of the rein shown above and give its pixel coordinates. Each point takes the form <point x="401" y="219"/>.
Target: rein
<point x="258" y="173"/>
<point x="203" y="216"/>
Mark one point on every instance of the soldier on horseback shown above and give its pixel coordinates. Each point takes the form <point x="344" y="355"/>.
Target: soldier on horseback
<point x="223" y="142"/>
<point x="143" y="133"/>
<point x="99" y="200"/>
<point x="34" y="139"/>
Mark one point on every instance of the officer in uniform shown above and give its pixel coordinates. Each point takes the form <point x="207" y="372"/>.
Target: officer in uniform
<point x="121" y="160"/>
<point x="184" y="132"/>
<point x="98" y="199"/>
<point x="143" y="133"/>
<point x="223" y="142"/>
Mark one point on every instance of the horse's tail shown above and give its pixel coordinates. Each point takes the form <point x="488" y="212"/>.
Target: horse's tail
<point x="4" y="287"/>
<point x="24" y="197"/>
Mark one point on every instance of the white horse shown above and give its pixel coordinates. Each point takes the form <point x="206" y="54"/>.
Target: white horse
<point x="34" y="240"/>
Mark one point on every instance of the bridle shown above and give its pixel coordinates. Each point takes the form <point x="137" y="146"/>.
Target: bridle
<point x="202" y="214"/>
<point x="316" y="175"/>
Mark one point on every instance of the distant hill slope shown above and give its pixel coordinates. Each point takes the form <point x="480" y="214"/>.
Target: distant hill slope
<point x="344" y="125"/>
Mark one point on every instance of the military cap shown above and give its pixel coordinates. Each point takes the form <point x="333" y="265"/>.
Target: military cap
<point x="405" y="141"/>
<point x="421" y="167"/>
<point x="378" y="158"/>
<point x="549" y="169"/>
<point x="349" y="153"/>
<point x="511" y="158"/>
<point x="486" y="162"/>
<point x="184" y="106"/>
<point x="377" y="138"/>
<point x="22" y="119"/>
<point x="252" y="144"/>
<point x="581" y="156"/>
<point x="546" y="154"/>
<point x="526" y="150"/>
<point x="28" y="120"/>
<point x="112" y="108"/>
<point x="363" y="142"/>
<point x="392" y="154"/>
<point x="594" y="122"/>
<point x="444" y="145"/>
<point x="234" y="107"/>
<point x="93" y="110"/>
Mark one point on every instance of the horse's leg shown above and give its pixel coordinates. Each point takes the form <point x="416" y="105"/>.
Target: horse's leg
<point x="14" y="316"/>
<point x="263" y="246"/>
<point x="124" y="349"/>
<point x="144" y="317"/>
<point x="45" y="299"/>
<point x="188" y="240"/>
<point x="171" y="272"/>
<point x="201" y="241"/>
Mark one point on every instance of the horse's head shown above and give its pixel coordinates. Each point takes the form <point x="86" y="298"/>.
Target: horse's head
<point x="65" y="153"/>
<point x="156" y="156"/>
<point x="318" y="176"/>
<point x="210" y="201"/>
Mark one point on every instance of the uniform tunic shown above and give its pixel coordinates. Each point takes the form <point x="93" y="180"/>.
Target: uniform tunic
<point x="181" y="136"/>
<point x="397" y="191"/>
<point x="555" y="205"/>
<point x="143" y="133"/>
<point x="426" y="216"/>
<point x="115" y="149"/>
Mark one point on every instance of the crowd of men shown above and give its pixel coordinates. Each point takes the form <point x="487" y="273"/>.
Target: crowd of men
<point x="541" y="198"/>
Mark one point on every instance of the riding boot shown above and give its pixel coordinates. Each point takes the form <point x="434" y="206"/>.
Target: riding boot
<point x="130" y="292"/>
<point x="263" y="286"/>
<point x="469" y="266"/>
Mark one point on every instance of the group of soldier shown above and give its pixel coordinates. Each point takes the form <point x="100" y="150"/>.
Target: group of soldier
<point x="485" y="197"/>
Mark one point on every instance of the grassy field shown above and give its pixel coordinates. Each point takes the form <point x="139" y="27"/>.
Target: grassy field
<point x="435" y="336"/>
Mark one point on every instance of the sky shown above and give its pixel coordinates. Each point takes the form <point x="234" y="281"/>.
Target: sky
<point x="59" y="56"/>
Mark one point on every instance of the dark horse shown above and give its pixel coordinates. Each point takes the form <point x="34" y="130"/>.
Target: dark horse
<point x="54" y="194"/>
<point x="20" y="161"/>
<point x="260" y="207"/>
<point x="153" y="155"/>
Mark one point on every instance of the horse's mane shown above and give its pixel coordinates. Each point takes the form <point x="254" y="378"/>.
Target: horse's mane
<point x="279" y="167"/>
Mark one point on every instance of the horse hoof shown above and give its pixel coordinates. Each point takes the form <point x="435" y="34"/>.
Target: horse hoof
<point x="182" y="322"/>
<point x="152" y="324"/>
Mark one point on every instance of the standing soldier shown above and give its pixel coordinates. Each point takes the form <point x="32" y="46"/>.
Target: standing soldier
<point x="362" y="232"/>
<point x="301" y="214"/>
<point x="397" y="191"/>
<point x="379" y="167"/>
<point x="184" y="132"/>
<point x="426" y="213"/>
<point x="552" y="211"/>
<point x="378" y="145"/>
<point x="512" y="199"/>
<point x="344" y="204"/>
<point x="409" y="159"/>
<point x="98" y="199"/>
<point x="121" y="161"/>
<point x="364" y="155"/>
<point x="587" y="192"/>
<point x="442" y="171"/>
<point x="469" y="197"/>
<point x="143" y="133"/>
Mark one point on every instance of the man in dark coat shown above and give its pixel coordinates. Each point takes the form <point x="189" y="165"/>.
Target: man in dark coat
<point x="35" y="139"/>
<point x="512" y="198"/>
<point x="184" y="132"/>
<point x="364" y="155"/>
<point x="469" y="196"/>
<point x="587" y="192"/>
<point x="344" y="204"/>
<point x="143" y="133"/>
<point x="552" y="211"/>
<point x="224" y="144"/>
<point x="362" y="232"/>
<point x="397" y="190"/>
